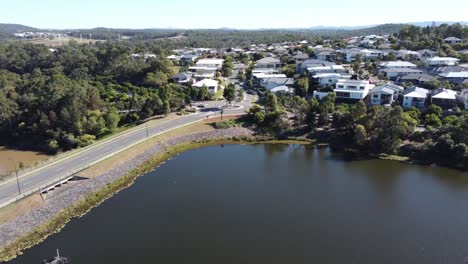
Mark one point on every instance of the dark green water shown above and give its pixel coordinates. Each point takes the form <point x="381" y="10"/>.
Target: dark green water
<point x="274" y="204"/>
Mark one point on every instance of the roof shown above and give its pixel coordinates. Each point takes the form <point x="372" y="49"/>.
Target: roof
<point x="398" y="70"/>
<point x="281" y="80"/>
<point x="400" y="64"/>
<point x="388" y="87"/>
<point x="210" y="61"/>
<point x="456" y="68"/>
<point x="206" y="82"/>
<point x="416" y="92"/>
<point x="418" y="76"/>
<point x="444" y="94"/>
<point x="268" y="60"/>
<point x="463" y="74"/>
<point x="316" y="62"/>
<point x="383" y="89"/>
<point x="452" y="39"/>
<point x="442" y="59"/>
<point x="282" y="88"/>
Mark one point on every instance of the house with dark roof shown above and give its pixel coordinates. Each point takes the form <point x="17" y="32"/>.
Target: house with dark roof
<point x="268" y="63"/>
<point x="395" y="73"/>
<point x="416" y="78"/>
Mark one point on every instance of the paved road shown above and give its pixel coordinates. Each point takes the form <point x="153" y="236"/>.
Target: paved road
<point x="58" y="170"/>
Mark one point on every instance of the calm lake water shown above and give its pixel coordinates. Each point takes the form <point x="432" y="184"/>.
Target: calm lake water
<point x="274" y="204"/>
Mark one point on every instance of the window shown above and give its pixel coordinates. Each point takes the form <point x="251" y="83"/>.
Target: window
<point x="352" y="87"/>
<point x="362" y="87"/>
<point x="342" y="94"/>
<point x="376" y="96"/>
<point x="340" y="86"/>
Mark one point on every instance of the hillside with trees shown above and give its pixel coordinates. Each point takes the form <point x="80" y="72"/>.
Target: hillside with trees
<point x="55" y="100"/>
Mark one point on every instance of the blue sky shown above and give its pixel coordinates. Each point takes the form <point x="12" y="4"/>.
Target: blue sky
<point x="244" y="14"/>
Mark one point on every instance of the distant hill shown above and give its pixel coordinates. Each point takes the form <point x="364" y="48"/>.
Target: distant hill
<point x="15" y="28"/>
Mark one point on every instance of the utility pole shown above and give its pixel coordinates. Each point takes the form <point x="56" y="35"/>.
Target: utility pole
<point x="17" y="168"/>
<point x="147" y="134"/>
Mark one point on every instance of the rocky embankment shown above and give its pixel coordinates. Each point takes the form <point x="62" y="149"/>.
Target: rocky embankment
<point x="26" y="223"/>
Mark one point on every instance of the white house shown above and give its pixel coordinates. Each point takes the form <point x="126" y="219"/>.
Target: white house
<point x="385" y="94"/>
<point x="397" y="64"/>
<point x="210" y="63"/>
<point x="352" y="89"/>
<point x="366" y="54"/>
<point x="327" y="79"/>
<point x="440" y="61"/>
<point x="414" y="96"/>
<point x="446" y="99"/>
<point x="453" y="40"/>
<point x="211" y="85"/>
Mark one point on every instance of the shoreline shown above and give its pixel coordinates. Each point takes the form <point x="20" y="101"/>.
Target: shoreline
<point x="35" y="226"/>
<point x="51" y="217"/>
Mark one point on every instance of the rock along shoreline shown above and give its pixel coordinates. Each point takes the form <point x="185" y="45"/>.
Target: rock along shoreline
<point x="14" y="235"/>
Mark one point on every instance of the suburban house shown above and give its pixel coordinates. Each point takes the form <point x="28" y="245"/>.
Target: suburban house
<point x="182" y="78"/>
<point x="455" y="77"/>
<point x="300" y="57"/>
<point x="408" y="55"/>
<point x="326" y="56"/>
<point x="302" y="67"/>
<point x="273" y="82"/>
<point x="397" y="64"/>
<point x="326" y="69"/>
<point x="415" y="96"/>
<point x="210" y="63"/>
<point x="200" y="72"/>
<point x="188" y="58"/>
<point x="427" y="54"/>
<point x="210" y="84"/>
<point x="441" y="61"/>
<point x="365" y="54"/>
<point x="385" y="94"/>
<point x="446" y="69"/>
<point x="446" y="99"/>
<point x="173" y="57"/>
<point x="416" y="78"/>
<point x="268" y="63"/>
<point x="395" y="73"/>
<point x="329" y="79"/>
<point x="453" y="40"/>
<point x="352" y="90"/>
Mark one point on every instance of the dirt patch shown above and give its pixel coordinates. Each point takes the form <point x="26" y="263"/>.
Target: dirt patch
<point x="9" y="158"/>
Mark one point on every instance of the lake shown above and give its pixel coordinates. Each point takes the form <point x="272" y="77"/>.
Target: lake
<point x="274" y="204"/>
